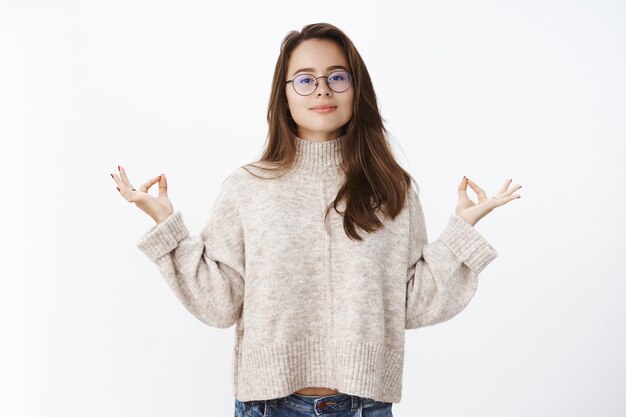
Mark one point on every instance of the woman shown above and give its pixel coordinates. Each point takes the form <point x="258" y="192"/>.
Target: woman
<point x="318" y="251"/>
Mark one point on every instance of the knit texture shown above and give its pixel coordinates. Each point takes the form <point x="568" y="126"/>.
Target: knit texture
<point x="312" y="307"/>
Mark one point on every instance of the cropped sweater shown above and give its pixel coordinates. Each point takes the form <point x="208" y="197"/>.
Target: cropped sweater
<point x="312" y="307"/>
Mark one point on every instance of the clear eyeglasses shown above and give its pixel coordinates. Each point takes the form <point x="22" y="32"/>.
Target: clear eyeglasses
<point x="306" y="84"/>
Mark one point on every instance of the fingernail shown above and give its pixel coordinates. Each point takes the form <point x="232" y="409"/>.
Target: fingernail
<point x="112" y="176"/>
<point x="118" y="168"/>
<point x="118" y="188"/>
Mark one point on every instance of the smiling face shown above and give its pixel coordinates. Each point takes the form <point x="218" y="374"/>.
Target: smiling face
<point x="318" y="55"/>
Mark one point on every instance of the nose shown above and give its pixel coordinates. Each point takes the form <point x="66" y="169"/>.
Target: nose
<point x="322" y="87"/>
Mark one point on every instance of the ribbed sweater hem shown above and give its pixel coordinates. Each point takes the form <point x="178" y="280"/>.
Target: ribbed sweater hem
<point x="272" y="371"/>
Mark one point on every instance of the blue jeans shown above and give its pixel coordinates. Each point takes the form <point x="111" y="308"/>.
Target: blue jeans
<point x="297" y="405"/>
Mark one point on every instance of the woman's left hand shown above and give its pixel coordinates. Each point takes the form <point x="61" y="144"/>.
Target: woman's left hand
<point x="473" y="212"/>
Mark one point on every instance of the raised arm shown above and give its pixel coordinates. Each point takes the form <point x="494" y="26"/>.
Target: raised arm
<point x="442" y="275"/>
<point x="205" y="271"/>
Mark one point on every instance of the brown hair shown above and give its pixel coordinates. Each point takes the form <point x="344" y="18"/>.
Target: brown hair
<point x="374" y="180"/>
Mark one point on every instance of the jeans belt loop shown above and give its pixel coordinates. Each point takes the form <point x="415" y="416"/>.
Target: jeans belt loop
<point x="356" y="400"/>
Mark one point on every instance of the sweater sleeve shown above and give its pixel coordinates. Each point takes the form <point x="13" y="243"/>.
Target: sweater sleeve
<point x="205" y="271"/>
<point x="442" y="275"/>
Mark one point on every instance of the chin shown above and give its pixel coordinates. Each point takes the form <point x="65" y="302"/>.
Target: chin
<point x="327" y="125"/>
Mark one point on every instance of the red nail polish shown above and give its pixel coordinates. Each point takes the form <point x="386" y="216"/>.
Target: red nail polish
<point x="118" y="188"/>
<point x="112" y="176"/>
<point x="118" y="168"/>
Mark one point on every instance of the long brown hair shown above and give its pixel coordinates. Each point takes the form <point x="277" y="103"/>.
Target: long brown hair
<point x="374" y="180"/>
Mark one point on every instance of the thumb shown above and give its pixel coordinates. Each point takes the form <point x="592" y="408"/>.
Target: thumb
<point x="162" y="186"/>
<point x="463" y="189"/>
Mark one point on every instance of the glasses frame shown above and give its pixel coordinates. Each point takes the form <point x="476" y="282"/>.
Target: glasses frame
<point x="317" y="82"/>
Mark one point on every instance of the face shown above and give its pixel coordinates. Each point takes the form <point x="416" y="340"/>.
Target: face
<point x="318" y="54"/>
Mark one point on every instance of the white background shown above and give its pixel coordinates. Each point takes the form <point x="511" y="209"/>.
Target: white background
<point x="528" y="90"/>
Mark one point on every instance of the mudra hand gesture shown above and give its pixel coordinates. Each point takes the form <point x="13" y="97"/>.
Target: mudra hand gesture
<point x="473" y="212"/>
<point x="159" y="207"/>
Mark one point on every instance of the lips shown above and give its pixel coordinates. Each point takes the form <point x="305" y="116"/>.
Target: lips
<point x="323" y="106"/>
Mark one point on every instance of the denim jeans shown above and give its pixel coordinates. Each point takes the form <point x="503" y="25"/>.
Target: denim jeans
<point x="297" y="405"/>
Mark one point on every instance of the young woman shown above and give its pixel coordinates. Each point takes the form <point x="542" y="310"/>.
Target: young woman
<point x="318" y="251"/>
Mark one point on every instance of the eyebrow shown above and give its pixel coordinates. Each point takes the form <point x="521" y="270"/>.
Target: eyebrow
<point x="332" y="67"/>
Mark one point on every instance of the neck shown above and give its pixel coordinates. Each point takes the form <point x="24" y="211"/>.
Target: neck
<point x="319" y="157"/>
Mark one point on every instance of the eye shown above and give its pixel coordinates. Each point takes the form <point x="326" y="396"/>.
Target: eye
<point x="339" y="76"/>
<point x="304" y="79"/>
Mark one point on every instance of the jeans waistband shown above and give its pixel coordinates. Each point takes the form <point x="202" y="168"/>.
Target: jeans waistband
<point x="319" y="403"/>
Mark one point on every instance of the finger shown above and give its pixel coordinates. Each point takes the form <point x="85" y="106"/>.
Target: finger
<point x="119" y="183"/>
<point x="146" y="185"/>
<point x="515" y="188"/>
<point x="163" y="186"/>
<point x="117" y="179"/>
<point x="504" y="200"/>
<point x="123" y="176"/>
<point x="508" y="192"/>
<point x="505" y="186"/>
<point x="124" y="189"/>
<point x="479" y="191"/>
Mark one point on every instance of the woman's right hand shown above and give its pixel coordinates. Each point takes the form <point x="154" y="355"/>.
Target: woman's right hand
<point x="159" y="208"/>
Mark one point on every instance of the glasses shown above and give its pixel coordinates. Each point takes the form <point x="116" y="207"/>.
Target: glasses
<point x="306" y="84"/>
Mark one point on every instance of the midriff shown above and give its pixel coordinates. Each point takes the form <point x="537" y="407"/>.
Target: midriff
<point x="317" y="391"/>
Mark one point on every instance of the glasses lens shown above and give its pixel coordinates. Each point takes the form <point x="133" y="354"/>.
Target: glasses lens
<point x="339" y="81"/>
<point x="304" y="84"/>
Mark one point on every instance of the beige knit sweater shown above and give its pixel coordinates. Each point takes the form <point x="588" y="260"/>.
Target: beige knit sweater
<point x="314" y="309"/>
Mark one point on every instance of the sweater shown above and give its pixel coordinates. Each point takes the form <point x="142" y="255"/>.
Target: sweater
<point x="312" y="307"/>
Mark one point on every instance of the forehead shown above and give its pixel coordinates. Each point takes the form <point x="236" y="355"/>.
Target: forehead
<point x="318" y="54"/>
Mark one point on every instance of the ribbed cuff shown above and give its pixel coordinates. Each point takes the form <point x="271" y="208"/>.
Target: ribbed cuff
<point x="162" y="238"/>
<point x="467" y="244"/>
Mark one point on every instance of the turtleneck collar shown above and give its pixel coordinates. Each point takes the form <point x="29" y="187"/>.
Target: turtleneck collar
<point x="319" y="157"/>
